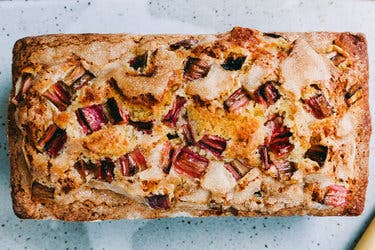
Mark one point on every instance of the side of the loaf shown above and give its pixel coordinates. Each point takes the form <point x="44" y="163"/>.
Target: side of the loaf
<point x="357" y="47"/>
<point x="100" y="198"/>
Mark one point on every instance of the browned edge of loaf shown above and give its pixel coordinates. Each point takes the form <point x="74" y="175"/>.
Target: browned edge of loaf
<point x="356" y="44"/>
<point x="25" y="207"/>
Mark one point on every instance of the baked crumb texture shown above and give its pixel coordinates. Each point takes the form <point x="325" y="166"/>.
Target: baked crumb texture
<point x="241" y="123"/>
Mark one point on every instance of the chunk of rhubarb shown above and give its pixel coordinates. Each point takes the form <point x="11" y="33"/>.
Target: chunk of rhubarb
<point x="196" y="68"/>
<point x="79" y="77"/>
<point x="189" y="163"/>
<point x="267" y="94"/>
<point x="106" y="170"/>
<point x="139" y="62"/>
<point x="353" y="95"/>
<point x="186" y="44"/>
<point x="233" y="62"/>
<point x="166" y="156"/>
<point x="278" y="140"/>
<point x="215" y="144"/>
<point x="91" y="118"/>
<point x="59" y="95"/>
<point x="285" y="169"/>
<point x="26" y="82"/>
<point x="237" y="168"/>
<point x="80" y="166"/>
<point x="132" y="162"/>
<point x="336" y="196"/>
<point x="116" y="114"/>
<point x="138" y="158"/>
<point x="128" y="168"/>
<point x="317" y="153"/>
<point x="83" y="80"/>
<point x="172" y="116"/>
<point x="263" y="151"/>
<point x="187" y="131"/>
<point x="145" y="127"/>
<point x="53" y="140"/>
<point x="319" y="107"/>
<point x="237" y="100"/>
<point x="159" y="201"/>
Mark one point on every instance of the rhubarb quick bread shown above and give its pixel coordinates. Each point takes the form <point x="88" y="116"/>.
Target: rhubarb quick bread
<point x="240" y="123"/>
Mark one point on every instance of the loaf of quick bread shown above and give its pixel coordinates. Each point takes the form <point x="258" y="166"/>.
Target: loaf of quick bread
<point x="240" y="123"/>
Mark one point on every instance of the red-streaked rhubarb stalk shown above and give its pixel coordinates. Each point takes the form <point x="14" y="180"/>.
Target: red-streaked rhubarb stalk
<point x="233" y="63"/>
<point x="166" y="156"/>
<point x="237" y="100"/>
<point x="127" y="166"/>
<point x="172" y="116"/>
<point x="336" y="196"/>
<point x="79" y="77"/>
<point x="80" y="166"/>
<point x="82" y="121"/>
<point x="353" y="95"/>
<point x="145" y="127"/>
<point x="267" y="94"/>
<point x="215" y="144"/>
<point x="48" y="135"/>
<point x="189" y="163"/>
<point x="263" y="151"/>
<point x="26" y="82"/>
<point x="106" y="170"/>
<point x="237" y="168"/>
<point x="281" y="148"/>
<point x="186" y="44"/>
<point x="58" y="95"/>
<point x="116" y="114"/>
<point x="187" y="131"/>
<point x="132" y="162"/>
<point x="75" y="74"/>
<point x="278" y="141"/>
<point x="159" y="201"/>
<point x="139" y="62"/>
<point x="83" y="80"/>
<point x="138" y="158"/>
<point x="53" y="140"/>
<point x="319" y="107"/>
<point x="317" y="153"/>
<point x="285" y="169"/>
<point x="91" y="118"/>
<point x="196" y="68"/>
<point x="278" y="129"/>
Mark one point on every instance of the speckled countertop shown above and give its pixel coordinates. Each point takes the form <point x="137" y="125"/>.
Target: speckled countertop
<point x="24" y="18"/>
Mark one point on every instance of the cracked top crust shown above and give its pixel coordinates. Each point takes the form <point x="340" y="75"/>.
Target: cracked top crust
<point x="146" y="126"/>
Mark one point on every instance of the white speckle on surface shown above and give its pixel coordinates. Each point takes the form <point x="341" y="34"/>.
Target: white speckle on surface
<point x="21" y="18"/>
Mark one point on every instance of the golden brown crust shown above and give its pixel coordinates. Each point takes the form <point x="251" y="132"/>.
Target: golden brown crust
<point x="20" y="177"/>
<point x="101" y="204"/>
<point x="356" y="45"/>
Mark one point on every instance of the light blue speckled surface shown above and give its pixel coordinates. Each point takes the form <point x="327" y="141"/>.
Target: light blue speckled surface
<point x="24" y="18"/>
